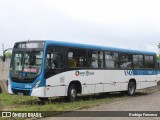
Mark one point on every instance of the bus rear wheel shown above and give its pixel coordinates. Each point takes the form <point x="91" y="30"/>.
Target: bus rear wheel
<point x="72" y="93"/>
<point x="131" y="88"/>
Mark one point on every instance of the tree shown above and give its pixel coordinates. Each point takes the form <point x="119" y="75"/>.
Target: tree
<point x="8" y="54"/>
<point x="158" y="57"/>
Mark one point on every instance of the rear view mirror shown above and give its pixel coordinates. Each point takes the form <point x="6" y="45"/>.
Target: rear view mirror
<point x="4" y="57"/>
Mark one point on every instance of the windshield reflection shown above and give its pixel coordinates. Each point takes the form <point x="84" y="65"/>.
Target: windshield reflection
<point x="26" y="63"/>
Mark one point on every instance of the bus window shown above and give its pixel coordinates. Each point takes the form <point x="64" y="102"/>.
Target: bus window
<point x="100" y="59"/>
<point x="125" y="60"/>
<point x="77" y="58"/>
<point x="149" y="61"/>
<point x="95" y="59"/>
<point x="138" y="61"/>
<point x="111" y="60"/>
<point x="54" y="60"/>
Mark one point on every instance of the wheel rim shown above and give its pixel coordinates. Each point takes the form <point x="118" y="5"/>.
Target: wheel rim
<point x="131" y="89"/>
<point x="73" y="93"/>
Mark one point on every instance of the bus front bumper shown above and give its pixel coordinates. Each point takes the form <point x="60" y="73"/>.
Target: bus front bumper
<point x="38" y="92"/>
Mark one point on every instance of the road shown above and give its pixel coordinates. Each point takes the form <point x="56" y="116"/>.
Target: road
<point x="150" y="102"/>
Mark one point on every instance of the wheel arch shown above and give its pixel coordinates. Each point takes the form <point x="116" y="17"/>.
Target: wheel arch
<point x="78" y="85"/>
<point x="133" y="80"/>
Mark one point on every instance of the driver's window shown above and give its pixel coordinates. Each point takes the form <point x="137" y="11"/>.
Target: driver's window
<point x="54" y="60"/>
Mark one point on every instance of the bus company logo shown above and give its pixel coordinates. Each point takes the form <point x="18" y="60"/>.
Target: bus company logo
<point x="89" y="73"/>
<point x="128" y="72"/>
<point x="77" y="73"/>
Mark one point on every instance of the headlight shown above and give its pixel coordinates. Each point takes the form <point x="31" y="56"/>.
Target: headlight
<point x="37" y="84"/>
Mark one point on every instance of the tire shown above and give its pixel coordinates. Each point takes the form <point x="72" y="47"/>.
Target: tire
<point x="43" y="99"/>
<point x="131" y="88"/>
<point x="72" y="93"/>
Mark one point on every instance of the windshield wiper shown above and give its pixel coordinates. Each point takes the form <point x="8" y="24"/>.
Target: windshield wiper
<point x="19" y="57"/>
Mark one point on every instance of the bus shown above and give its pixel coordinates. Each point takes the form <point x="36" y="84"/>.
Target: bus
<point x="52" y="68"/>
<point x="158" y="72"/>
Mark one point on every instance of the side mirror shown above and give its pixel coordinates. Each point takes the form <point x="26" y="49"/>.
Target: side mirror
<point x="4" y="57"/>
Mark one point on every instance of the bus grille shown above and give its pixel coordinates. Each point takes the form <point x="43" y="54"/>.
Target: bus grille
<point x="23" y="80"/>
<point x="25" y="92"/>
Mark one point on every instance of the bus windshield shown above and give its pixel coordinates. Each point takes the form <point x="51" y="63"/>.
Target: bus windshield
<point x="26" y="64"/>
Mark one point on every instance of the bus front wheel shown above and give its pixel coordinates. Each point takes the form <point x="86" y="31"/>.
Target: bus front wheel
<point x="72" y="93"/>
<point x="131" y="88"/>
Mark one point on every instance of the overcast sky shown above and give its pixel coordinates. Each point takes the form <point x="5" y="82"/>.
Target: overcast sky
<point x="133" y="24"/>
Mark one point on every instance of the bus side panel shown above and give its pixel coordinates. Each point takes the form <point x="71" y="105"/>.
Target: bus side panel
<point x="146" y="81"/>
<point x="95" y="78"/>
<point x="54" y="91"/>
<point x="56" y="86"/>
<point x="96" y="81"/>
<point x="39" y="92"/>
<point x="91" y="80"/>
<point x="116" y="81"/>
<point x="87" y="89"/>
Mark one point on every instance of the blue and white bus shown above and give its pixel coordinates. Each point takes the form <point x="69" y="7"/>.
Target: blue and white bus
<point x="50" y="68"/>
<point x="158" y="72"/>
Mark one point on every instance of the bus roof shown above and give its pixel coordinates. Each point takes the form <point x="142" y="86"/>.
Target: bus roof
<point x="78" y="45"/>
<point x="98" y="47"/>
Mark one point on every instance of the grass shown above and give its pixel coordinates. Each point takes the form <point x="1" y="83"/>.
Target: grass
<point x="26" y="103"/>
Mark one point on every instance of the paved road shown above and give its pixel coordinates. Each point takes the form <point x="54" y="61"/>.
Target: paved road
<point x="150" y="102"/>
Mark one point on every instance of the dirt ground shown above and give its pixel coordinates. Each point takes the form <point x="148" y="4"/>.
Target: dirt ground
<point x="146" y="102"/>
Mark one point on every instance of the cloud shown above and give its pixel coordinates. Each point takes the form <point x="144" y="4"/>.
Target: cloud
<point x="133" y="24"/>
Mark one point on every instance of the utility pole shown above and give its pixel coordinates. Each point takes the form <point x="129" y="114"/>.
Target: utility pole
<point x="2" y="47"/>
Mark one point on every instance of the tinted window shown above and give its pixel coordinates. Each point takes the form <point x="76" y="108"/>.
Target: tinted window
<point x="95" y="59"/>
<point x="111" y="60"/>
<point x="125" y="60"/>
<point x="149" y="61"/>
<point x="77" y="58"/>
<point x="138" y="61"/>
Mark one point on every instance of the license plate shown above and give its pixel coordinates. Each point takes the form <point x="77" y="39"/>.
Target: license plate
<point x="19" y="93"/>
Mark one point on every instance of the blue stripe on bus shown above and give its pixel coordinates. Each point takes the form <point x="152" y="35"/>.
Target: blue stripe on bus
<point x="78" y="45"/>
<point x="144" y="72"/>
<point x="140" y="72"/>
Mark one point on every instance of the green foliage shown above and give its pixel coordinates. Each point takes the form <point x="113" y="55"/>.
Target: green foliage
<point x="158" y="57"/>
<point x="8" y="54"/>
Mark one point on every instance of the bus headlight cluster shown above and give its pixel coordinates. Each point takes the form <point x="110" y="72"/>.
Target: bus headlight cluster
<point x="37" y="84"/>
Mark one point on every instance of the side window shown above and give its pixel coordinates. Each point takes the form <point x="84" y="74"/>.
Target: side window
<point x="100" y="59"/>
<point x="149" y="61"/>
<point x="58" y="60"/>
<point x="125" y="60"/>
<point x="54" y="60"/>
<point x="111" y="60"/>
<point x="77" y="58"/>
<point x="138" y="61"/>
<point x="95" y="59"/>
